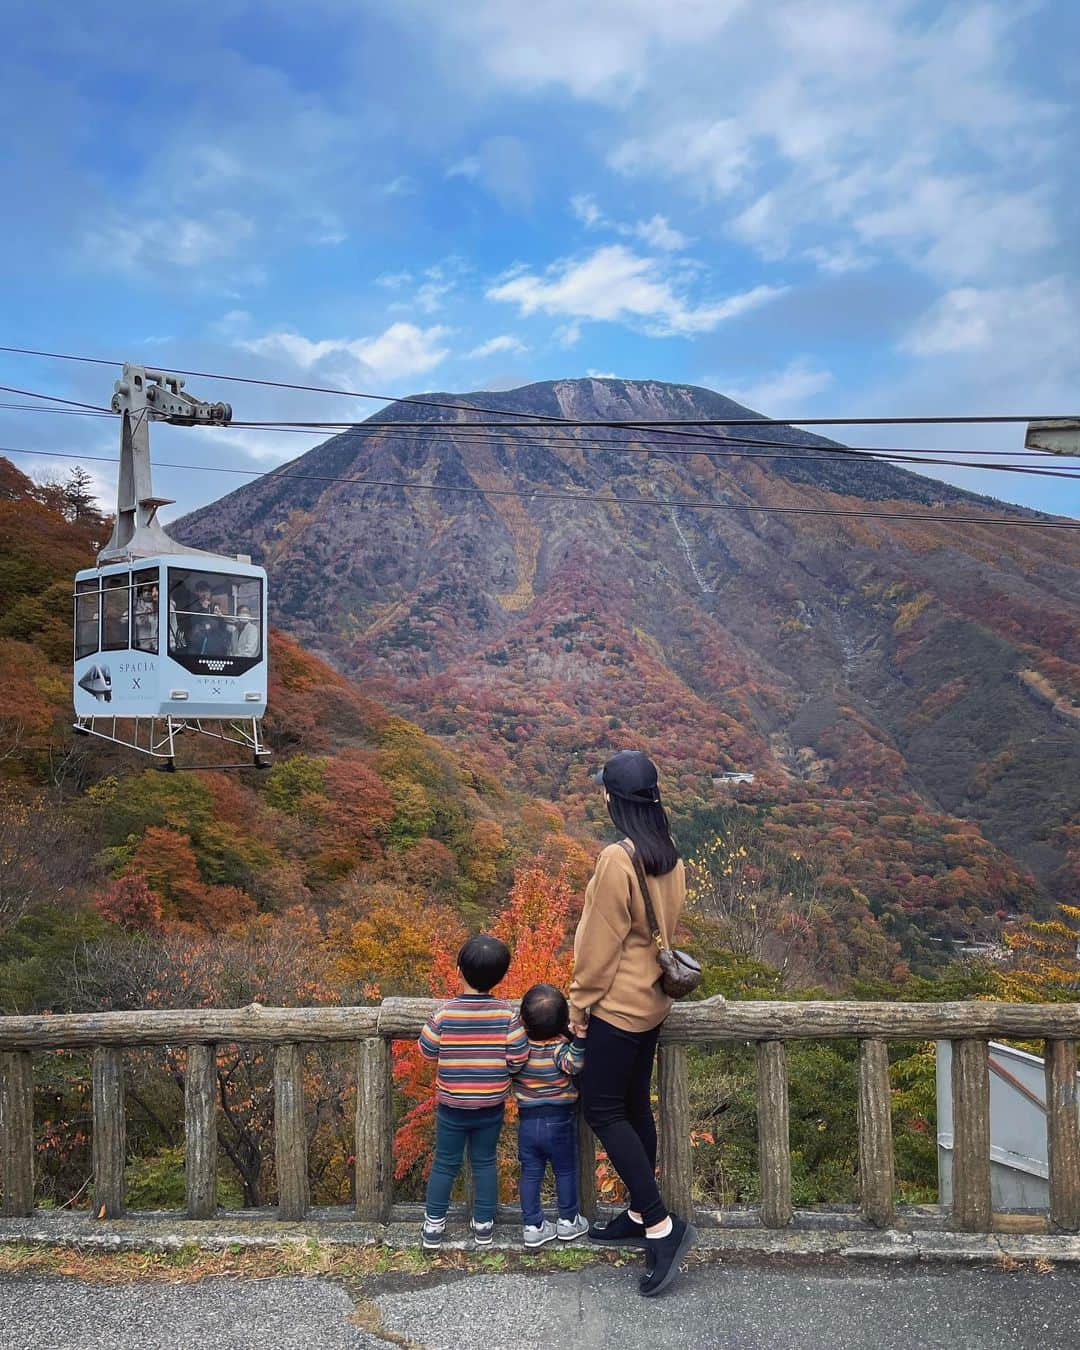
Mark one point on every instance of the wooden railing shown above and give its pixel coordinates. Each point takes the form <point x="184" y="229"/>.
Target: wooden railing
<point x="969" y="1026"/>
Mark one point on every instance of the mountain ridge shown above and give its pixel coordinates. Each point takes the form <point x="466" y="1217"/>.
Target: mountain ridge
<point x="826" y="653"/>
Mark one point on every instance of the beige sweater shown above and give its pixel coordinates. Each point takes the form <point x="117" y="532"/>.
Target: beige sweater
<point x="616" y="973"/>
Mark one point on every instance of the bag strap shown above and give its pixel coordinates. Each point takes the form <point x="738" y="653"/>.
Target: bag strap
<point x="639" y="872"/>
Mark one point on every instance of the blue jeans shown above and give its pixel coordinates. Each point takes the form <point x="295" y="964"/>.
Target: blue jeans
<point x="548" y="1134"/>
<point x="454" y="1128"/>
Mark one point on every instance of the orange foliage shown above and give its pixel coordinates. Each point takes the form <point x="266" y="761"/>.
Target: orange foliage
<point x="165" y="860"/>
<point x="400" y="941"/>
<point x="359" y="808"/>
<point x="129" y="901"/>
<point x="534" y="925"/>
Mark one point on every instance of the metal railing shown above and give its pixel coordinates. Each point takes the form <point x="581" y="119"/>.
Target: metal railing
<point x="371" y="1030"/>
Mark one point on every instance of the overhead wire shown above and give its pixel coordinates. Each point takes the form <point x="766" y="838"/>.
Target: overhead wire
<point x="549" y="418"/>
<point x="591" y="499"/>
<point x="473" y="434"/>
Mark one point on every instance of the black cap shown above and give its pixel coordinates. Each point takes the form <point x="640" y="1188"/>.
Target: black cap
<point x="630" y="774"/>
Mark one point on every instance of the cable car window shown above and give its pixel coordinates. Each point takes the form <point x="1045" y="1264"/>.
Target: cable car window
<point x="147" y="611"/>
<point x="87" y="617"/>
<point x="215" y="621"/>
<point x="117" y="607"/>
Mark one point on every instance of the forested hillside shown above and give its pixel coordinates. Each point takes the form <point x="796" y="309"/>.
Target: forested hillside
<point x="906" y="692"/>
<point x="353" y="867"/>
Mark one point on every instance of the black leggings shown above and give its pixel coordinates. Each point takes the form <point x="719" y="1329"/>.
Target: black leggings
<point x="615" y="1097"/>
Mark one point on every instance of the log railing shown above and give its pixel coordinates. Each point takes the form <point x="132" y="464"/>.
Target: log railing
<point x="969" y="1026"/>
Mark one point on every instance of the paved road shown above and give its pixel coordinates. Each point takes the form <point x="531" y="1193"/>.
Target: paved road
<point x="729" y="1307"/>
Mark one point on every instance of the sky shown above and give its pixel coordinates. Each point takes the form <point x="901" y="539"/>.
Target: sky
<point x="816" y="207"/>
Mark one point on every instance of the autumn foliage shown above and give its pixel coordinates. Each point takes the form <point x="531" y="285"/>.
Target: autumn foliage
<point x="535" y="925"/>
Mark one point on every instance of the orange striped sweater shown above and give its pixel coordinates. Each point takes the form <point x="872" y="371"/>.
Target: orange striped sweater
<point x="478" y="1042"/>
<point x="547" y="1078"/>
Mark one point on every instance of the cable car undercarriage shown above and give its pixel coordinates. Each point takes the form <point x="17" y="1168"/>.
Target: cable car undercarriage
<point x="157" y="737"/>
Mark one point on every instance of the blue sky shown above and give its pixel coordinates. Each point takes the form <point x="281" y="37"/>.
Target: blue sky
<point x="825" y="207"/>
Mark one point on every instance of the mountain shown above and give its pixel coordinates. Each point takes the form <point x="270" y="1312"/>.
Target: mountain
<point x="885" y="669"/>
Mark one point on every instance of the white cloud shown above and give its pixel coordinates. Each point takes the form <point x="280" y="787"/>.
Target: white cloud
<point x="586" y="210"/>
<point x="327" y="229"/>
<point x="503" y="343"/>
<point x="503" y="166"/>
<point x="401" y="350"/>
<point x="713" y="157"/>
<point x="616" y="285"/>
<point x="657" y="233"/>
<point x="604" y="49"/>
<point x="130" y="243"/>
<point x="892" y="130"/>
<point x="466" y="167"/>
<point x="429" y="297"/>
<point x="782" y="393"/>
<point x="1034" y="327"/>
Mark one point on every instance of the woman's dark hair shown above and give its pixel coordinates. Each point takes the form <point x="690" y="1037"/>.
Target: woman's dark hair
<point x="483" y="961"/>
<point x="545" y="1013"/>
<point x="646" y="824"/>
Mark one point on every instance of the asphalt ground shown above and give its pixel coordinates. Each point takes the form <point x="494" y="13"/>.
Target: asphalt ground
<point x="744" y="1306"/>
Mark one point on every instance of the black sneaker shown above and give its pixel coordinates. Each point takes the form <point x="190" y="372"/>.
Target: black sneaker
<point x="667" y="1255"/>
<point x="622" y="1231"/>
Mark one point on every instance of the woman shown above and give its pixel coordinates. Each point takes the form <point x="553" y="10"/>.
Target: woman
<point x="616" y="999"/>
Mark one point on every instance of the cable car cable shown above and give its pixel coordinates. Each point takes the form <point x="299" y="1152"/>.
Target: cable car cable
<point x="654" y="423"/>
<point x="541" y="495"/>
<point x="464" y="431"/>
<point x="850" y="456"/>
<point x="553" y="436"/>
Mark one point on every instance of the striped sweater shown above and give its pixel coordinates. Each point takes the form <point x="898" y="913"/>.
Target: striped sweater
<point x="548" y="1076"/>
<point x="478" y="1042"/>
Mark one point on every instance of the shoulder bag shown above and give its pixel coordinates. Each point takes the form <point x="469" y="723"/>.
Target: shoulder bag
<point x="680" y="974"/>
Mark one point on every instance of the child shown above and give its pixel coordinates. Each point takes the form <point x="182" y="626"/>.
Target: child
<point x="547" y="1102"/>
<point x="479" y="1043"/>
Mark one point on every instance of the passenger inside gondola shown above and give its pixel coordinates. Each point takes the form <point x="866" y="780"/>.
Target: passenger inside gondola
<point x="146" y="618"/>
<point x="205" y="631"/>
<point x="245" y="640"/>
<point x="116" y="595"/>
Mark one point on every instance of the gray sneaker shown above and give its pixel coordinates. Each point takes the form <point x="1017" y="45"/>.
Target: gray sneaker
<point x="483" y="1233"/>
<point x="569" y="1229"/>
<point x="544" y="1232"/>
<point x="432" y="1233"/>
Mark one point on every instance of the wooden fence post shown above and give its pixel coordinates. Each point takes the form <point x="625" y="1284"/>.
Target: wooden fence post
<point x="200" y="1131"/>
<point x="676" y="1165"/>
<point x="110" y="1133"/>
<point x="290" y="1132"/>
<point x="877" y="1167"/>
<point x="971" y="1136"/>
<point x="586" y="1168"/>
<point x="374" y="1130"/>
<point x="16" y="1134"/>
<point x="774" y="1146"/>
<point x="1063" y="1134"/>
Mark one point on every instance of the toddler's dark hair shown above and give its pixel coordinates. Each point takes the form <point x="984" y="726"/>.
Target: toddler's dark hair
<point x="483" y="961"/>
<point x="545" y="1013"/>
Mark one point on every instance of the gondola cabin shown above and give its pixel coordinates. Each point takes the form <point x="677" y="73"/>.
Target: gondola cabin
<point x="181" y="636"/>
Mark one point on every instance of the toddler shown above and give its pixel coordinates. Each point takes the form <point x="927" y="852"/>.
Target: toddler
<point x="547" y="1105"/>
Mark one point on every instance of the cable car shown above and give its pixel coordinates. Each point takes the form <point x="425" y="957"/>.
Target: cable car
<point x="170" y="641"/>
